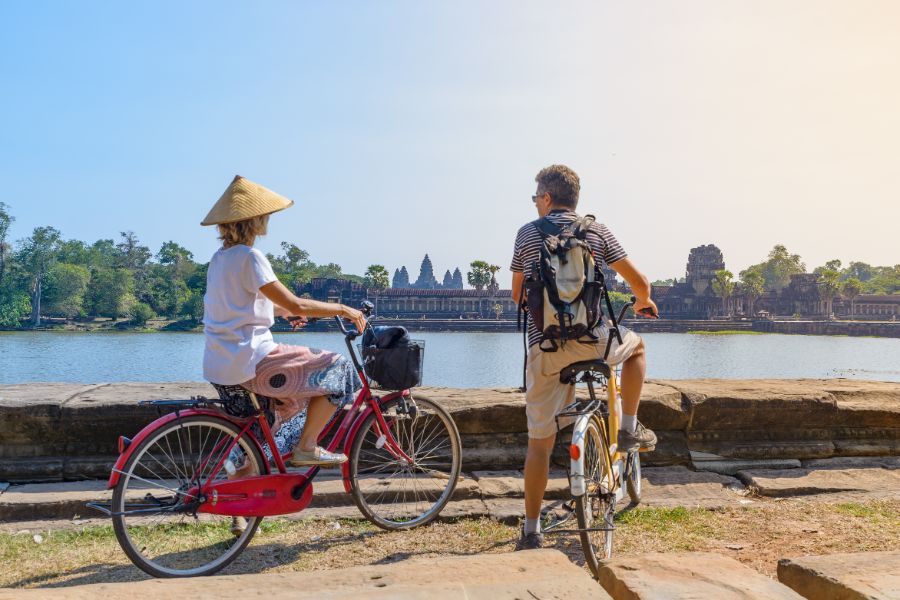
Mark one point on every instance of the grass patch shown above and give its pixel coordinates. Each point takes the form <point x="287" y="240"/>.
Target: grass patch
<point x="728" y="332"/>
<point x="757" y="535"/>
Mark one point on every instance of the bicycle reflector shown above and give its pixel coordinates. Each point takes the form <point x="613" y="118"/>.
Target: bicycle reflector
<point x="124" y="442"/>
<point x="574" y="452"/>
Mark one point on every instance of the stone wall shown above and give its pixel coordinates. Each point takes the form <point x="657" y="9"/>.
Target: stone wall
<point x="851" y="328"/>
<point x="69" y="431"/>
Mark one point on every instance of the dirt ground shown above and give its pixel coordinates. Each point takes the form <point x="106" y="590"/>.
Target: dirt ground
<point x="757" y="536"/>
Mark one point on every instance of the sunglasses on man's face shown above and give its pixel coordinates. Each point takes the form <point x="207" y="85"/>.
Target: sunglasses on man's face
<point x="536" y="196"/>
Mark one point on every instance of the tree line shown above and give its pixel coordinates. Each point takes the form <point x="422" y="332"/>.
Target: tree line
<point x="45" y="275"/>
<point x="834" y="280"/>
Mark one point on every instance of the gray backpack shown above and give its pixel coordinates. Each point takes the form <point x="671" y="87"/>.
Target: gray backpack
<point x="564" y="287"/>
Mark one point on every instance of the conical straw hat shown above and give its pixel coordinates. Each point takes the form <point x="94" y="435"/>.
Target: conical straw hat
<point x="244" y="199"/>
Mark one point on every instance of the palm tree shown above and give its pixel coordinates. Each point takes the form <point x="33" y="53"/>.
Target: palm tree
<point x="753" y="286"/>
<point x="480" y="275"/>
<point x="723" y="286"/>
<point x="376" y="277"/>
<point x="829" y="289"/>
<point x="850" y="290"/>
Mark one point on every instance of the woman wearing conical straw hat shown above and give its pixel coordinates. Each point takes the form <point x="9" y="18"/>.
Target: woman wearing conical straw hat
<point x="243" y="297"/>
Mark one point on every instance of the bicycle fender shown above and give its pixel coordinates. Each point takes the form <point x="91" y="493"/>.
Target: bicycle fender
<point x="576" y="465"/>
<point x="151" y="427"/>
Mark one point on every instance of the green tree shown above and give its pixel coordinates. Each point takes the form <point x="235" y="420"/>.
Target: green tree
<point x="171" y="253"/>
<point x="64" y="291"/>
<point x="110" y="292"/>
<point x="829" y="288"/>
<point x="752" y="286"/>
<point x="104" y="254"/>
<point x="140" y="314"/>
<point x="778" y="268"/>
<point x="377" y="277"/>
<point x="331" y="271"/>
<point x="193" y="306"/>
<point x="480" y="275"/>
<point x="293" y="266"/>
<point x="75" y="252"/>
<point x="6" y="220"/>
<point x="831" y="265"/>
<point x="132" y="255"/>
<point x="37" y="254"/>
<point x="859" y="270"/>
<point x="14" y="307"/>
<point x="723" y="286"/>
<point x="618" y="301"/>
<point x="850" y="290"/>
<point x="884" y="280"/>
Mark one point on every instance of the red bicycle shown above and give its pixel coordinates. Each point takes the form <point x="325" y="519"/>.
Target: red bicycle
<point x="176" y="485"/>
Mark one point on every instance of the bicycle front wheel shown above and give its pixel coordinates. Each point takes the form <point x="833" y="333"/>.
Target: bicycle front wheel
<point x="392" y="492"/>
<point x="154" y="514"/>
<point x="596" y="508"/>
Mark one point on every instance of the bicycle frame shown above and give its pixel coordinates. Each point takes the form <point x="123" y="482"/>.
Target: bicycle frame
<point x="276" y="485"/>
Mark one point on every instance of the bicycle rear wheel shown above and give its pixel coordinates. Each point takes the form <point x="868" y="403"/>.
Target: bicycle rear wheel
<point x="596" y="508"/>
<point x="392" y="493"/>
<point x="155" y="518"/>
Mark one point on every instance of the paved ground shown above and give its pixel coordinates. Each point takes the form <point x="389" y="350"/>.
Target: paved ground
<point x="522" y="575"/>
<point x="498" y="495"/>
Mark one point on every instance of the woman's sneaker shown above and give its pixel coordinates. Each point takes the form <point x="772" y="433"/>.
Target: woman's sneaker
<point x="238" y="526"/>
<point x="642" y="438"/>
<point x="320" y="457"/>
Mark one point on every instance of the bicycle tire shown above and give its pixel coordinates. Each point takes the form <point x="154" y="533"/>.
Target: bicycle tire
<point x="370" y="463"/>
<point x="597" y="506"/>
<point x="633" y="477"/>
<point x="125" y="531"/>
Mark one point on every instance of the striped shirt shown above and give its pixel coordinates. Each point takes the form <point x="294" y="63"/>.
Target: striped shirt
<point x="527" y="250"/>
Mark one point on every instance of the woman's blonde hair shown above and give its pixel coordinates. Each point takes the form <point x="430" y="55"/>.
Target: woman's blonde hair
<point x="243" y="232"/>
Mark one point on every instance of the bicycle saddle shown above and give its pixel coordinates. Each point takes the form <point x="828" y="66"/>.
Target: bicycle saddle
<point x="570" y="374"/>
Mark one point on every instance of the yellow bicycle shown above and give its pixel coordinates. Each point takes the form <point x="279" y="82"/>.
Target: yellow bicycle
<point x="599" y="474"/>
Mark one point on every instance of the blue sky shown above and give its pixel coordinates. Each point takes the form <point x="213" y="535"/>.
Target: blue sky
<point x="401" y="128"/>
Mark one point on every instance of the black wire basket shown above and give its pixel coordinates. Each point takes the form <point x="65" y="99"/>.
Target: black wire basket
<point x="397" y="368"/>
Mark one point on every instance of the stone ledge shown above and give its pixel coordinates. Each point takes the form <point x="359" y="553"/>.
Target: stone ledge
<point x="52" y="431"/>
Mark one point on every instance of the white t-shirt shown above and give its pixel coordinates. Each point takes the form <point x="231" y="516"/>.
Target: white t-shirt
<point x="236" y="316"/>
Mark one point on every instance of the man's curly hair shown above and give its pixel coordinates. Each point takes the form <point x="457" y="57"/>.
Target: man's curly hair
<point x="561" y="183"/>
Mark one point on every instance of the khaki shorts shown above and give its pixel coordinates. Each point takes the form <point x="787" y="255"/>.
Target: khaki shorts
<point x="545" y="396"/>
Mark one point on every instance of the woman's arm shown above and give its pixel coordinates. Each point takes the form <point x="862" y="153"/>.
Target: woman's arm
<point x="304" y="307"/>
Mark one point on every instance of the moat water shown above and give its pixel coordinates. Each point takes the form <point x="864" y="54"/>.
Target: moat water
<point x="451" y="359"/>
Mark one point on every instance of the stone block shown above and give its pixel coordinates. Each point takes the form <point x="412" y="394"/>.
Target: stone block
<point x="714" y="463"/>
<point x="687" y="575"/>
<point x="546" y="574"/>
<point x="679" y="486"/>
<point x="859" y="576"/>
<point x="876" y="482"/>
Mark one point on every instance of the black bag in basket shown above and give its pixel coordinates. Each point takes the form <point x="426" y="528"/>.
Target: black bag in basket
<point x="391" y="359"/>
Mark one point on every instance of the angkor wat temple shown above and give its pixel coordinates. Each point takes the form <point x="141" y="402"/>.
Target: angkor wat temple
<point x="691" y="297"/>
<point x="426" y="279"/>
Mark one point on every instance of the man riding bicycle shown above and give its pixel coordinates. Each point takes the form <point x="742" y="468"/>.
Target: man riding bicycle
<point x="555" y="200"/>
